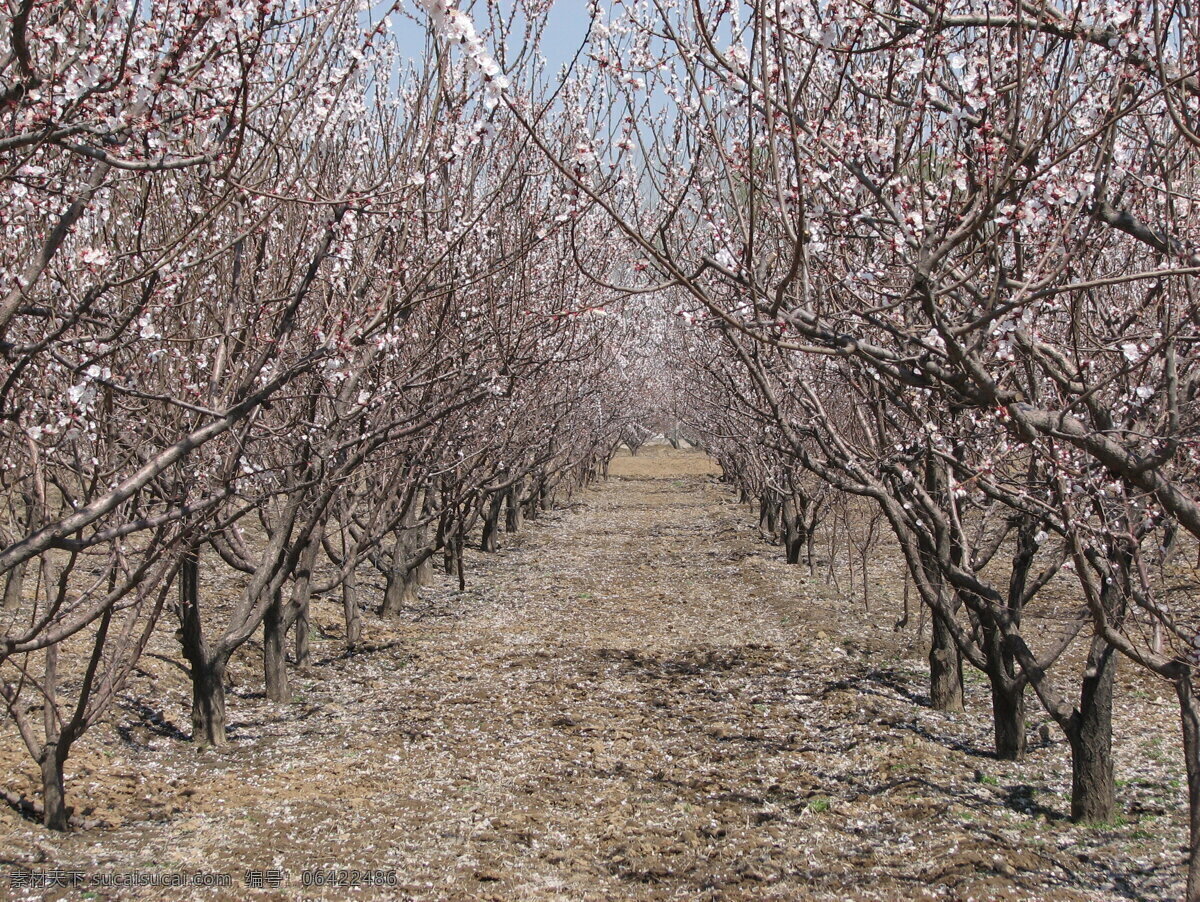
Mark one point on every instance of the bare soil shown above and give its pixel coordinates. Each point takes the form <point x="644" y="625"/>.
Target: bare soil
<point x="634" y="699"/>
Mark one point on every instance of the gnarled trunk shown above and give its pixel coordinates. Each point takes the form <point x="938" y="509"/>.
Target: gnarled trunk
<point x="56" y="815"/>
<point x="298" y="616"/>
<point x="512" y="498"/>
<point x="275" y="674"/>
<point x="405" y="576"/>
<point x="1092" y="796"/>
<point x="350" y="611"/>
<point x="768" y="512"/>
<point x="401" y="588"/>
<point x="945" y="669"/>
<point x="13" y="585"/>
<point x="1008" y="695"/>
<point x="207" y="671"/>
<point x="531" y="500"/>
<point x="301" y="630"/>
<point x="208" y="702"/>
<point x="791" y="538"/>
<point x="1008" y="716"/>
<point x="491" y="523"/>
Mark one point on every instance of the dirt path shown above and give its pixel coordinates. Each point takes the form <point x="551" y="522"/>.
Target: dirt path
<point x="634" y="700"/>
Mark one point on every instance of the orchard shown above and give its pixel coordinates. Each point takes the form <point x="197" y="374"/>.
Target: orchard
<point x="314" y="316"/>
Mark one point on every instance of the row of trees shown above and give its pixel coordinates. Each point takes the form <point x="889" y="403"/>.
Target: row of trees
<point x="941" y="255"/>
<point x="274" y="303"/>
<point x="277" y="303"/>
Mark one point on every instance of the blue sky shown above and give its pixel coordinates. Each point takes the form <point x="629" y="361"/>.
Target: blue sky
<point x="567" y="24"/>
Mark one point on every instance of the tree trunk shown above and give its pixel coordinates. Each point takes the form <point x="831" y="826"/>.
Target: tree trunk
<point x="207" y="671"/>
<point x="793" y="533"/>
<point x="488" y="541"/>
<point x="1008" y="716"/>
<point x="945" y="658"/>
<point x="350" y="611"/>
<point x="13" y="586"/>
<point x="787" y="528"/>
<point x="1092" y="796"/>
<point x="403" y="578"/>
<point x="459" y="544"/>
<point x="945" y="669"/>
<point x="56" y="815"/>
<point x="410" y="545"/>
<point x="531" y="500"/>
<point x="208" y="702"/>
<point x="766" y="516"/>
<point x="303" y="645"/>
<point x="275" y="674"/>
<point x="1189" y="711"/>
<point x="512" y="517"/>
<point x="302" y="597"/>
<point x="1008" y="694"/>
<point x="402" y="593"/>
